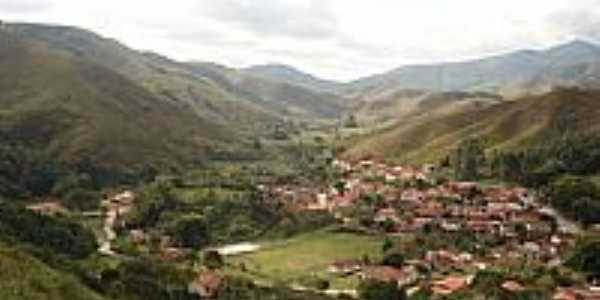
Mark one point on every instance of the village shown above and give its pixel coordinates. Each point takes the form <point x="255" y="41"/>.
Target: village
<point x="512" y="226"/>
<point x="505" y="227"/>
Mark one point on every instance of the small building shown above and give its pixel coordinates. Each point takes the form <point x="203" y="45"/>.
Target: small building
<point x="512" y="286"/>
<point x="386" y="214"/>
<point x="138" y="236"/>
<point x="402" y="277"/>
<point x="207" y="285"/>
<point x="345" y="267"/>
<point x="450" y="285"/>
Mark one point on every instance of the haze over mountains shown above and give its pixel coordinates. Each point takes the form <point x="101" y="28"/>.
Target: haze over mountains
<point x="522" y="71"/>
<point x="87" y="90"/>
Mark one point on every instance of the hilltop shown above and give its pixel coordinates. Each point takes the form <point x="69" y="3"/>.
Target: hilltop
<point x="211" y="91"/>
<point x="513" y="73"/>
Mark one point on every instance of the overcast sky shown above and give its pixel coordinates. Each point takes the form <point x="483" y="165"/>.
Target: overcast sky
<point x="337" y="39"/>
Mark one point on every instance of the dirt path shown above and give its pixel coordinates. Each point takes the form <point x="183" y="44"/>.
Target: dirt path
<point x="109" y="232"/>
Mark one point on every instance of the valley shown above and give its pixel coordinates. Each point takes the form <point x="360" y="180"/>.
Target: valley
<point x="128" y="175"/>
<point x="398" y="224"/>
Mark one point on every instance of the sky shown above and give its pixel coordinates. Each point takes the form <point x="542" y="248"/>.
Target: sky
<point x="334" y="39"/>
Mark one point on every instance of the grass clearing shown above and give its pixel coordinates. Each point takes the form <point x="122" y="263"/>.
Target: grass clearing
<point x="307" y="255"/>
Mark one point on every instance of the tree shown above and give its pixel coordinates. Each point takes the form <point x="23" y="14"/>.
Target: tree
<point x="213" y="260"/>
<point x="377" y="290"/>
<point x="577" y="198"/>
<point x="340" y="187"/>
<point x="522" y="232"/>
<point x="374" y="200"/>
<point x="82" y="199"/>
<point x="394" y="259"/>
<point x="469" y="158"/>
<point x="54" y="235"/>
<point x="387" y="245"/>
<point x="351" y="122"/>
<point x="587" y="258"/>
<point x="191" y="232"/>
<point x="154" y="200"/>
<point x="388" y="225"/>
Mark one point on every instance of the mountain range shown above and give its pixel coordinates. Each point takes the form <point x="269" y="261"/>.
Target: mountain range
<point x="521" y="71"/>
<point x="78" y="94"/>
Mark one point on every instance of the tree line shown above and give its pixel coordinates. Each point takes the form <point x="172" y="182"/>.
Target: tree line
<point x="560" y="169"/>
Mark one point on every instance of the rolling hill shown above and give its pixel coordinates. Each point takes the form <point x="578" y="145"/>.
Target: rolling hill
<point x="410" y="105"/>
<point x="166" y="79"/>
<point x="274" y="94"/>
<point x="73" y="108"/>
<point x="506" y="125"/>
<point x="220" y="94"/>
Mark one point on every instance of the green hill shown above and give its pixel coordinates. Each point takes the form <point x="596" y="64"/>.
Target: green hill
<point x="508" y="125"/>
<point x="233" y="98"/>
<point x="72" y="109"/>
<point x="24" y="277"/>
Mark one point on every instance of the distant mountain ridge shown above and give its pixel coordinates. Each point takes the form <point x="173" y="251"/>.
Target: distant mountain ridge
<point x="520" y="71"/>
<point x="292" y="75"/>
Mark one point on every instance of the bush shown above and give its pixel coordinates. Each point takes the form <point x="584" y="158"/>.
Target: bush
<point x="81" y="199"/>
<point x="213" y="260"/>
<point x="577" y="198"/>
<point x="147" y="279"/>
<point x="45" y="233"/>
<point x="587" y="258"/>
<point x="377" y="290"/>
<point x="393" y="260"/>
<point x="191" y="232"/>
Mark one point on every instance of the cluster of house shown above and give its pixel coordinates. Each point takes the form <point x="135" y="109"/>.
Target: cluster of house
<point x="588" y="293"/>
<point x="410" y="201"/>
<point x="117" y="206"/>
<point x="453" y="206"/>
<point x="363" y="178"/>
<point x="407" y="277"/>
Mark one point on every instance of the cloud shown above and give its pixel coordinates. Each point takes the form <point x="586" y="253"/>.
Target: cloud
<point x="25" y="6"/>
<point x="307" y="19"/>
<point x="341" y="39"/>
<point x="579" y="22"/>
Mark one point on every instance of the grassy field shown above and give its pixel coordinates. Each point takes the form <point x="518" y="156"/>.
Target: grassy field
<point x="307" y="255"/>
